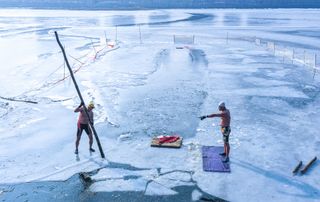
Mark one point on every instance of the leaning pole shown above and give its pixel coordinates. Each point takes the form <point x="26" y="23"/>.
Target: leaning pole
<point x="80" y="96"/>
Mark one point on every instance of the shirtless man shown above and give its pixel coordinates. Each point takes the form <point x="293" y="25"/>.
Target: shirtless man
<point x="224" y="114"/>
<point x="83" y="124"/>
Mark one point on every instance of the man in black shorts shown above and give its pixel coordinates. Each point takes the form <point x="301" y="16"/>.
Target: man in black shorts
<point x="225" y="116"/>
<point x="83" y="124"/>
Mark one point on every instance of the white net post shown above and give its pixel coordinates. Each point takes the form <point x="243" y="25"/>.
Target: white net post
<point x="64" y="70"/>
<point x="304" y="58"/>
<point x="315" y="66"/>
<point x="140" y="34"/>
<point x="103" y="41"/>
<point x="283" y="54"/>
<point x="310" y="60"/>
<point x="271" y="46"/>
<point x="292" y="55"/>
<point x="227" y="39"/>
<point x="116" y="37"/>
<point x="93" y="47"/>
<point x="257" y="42"/>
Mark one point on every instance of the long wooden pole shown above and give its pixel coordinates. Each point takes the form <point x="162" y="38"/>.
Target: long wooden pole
<point x="80" y="96"/>
<point x="296" y="169"/>
<point x="305" y="169"/>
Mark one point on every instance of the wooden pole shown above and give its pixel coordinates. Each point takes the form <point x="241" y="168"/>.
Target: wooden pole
<point x="80" y="96"/>
<point x="296" y="169"/>
<point x="305" y="169"/>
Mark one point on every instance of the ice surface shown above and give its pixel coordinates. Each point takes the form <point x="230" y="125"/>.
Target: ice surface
<point x="147" y="88"/>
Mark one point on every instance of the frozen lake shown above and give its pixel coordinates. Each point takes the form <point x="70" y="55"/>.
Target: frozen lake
<point x="143" y="85"/>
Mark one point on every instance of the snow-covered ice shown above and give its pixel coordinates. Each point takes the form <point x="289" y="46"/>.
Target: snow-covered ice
<point x="147" y="86"/>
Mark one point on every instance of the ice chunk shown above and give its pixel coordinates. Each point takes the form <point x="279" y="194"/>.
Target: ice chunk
<point x="155" y="188"/>
<point x="196" y="195"/>
<point x="119" y="185"/>
<point x="124" y="137"/>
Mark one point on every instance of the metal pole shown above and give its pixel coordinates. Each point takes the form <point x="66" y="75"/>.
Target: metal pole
<point x="315" y="67"/>
<point x="95" y="51"/>
<point x="292" y="55"/>
<point x="304" y="58"/>
<point x="80" y="96"/>
<point x="140" y="34"/>
<point x="284" y="54"/>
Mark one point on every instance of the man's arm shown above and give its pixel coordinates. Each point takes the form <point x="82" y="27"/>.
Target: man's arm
<point x="79" y="108"/>
<point x="214" y="115"/>
<point x="211" y="116"/>
<point x="91" y="119"/>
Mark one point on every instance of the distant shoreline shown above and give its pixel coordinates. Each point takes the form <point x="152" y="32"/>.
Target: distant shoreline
<point x="160" y="4"/>
<point x="137" y="9"/>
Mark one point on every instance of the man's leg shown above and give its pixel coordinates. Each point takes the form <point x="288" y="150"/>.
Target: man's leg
<point x="226" y="144"/>
<point x="79" y="132"/>
<point x="227" y="149"/>
<point x="90" y="140"/>
<point x="89" y="133"/>
<point x="224" y="141"/>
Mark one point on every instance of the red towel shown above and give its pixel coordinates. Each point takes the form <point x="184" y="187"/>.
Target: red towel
<point x="168" y="139"/>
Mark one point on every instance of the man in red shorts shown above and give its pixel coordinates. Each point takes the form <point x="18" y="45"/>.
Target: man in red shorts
<point x="83" y="124"/>
<point x="224" y="114"/>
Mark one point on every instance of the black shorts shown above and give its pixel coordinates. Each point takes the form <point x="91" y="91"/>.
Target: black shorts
<point x="226" y="132"/>
<point x="84" y="127"/>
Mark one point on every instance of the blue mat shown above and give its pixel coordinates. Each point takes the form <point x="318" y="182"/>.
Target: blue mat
<point x="212" y="161"/>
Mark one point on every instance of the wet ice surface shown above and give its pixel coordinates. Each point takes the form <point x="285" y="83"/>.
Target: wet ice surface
<point x="153" y="88"/>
